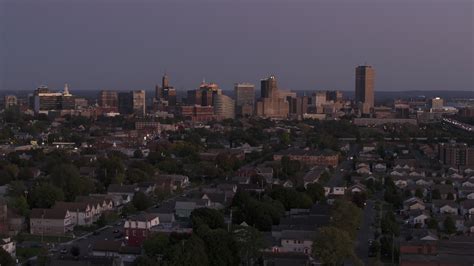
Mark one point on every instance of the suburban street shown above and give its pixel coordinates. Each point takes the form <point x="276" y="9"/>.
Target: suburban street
<point x="337" y="179"/>
<point x="365" y="233"/>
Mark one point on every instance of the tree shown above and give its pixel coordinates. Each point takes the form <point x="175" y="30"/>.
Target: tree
<point x="332" y="246"/>
<point x="432" y="223"/>
<point x="346" y="216"/>
<point x="290" y="198"/>
<point x="449" y="225"/>
<point x="45" y="195"/>
<point x="261" y="214"/>
<point x="435" y="194"/>
<point x="135" y="175"/>
<point x="5" y="258"/>
<point x="359" y="199"/>
<point x="205" y="216"/>
<point x="389" y="225"/>
<point x="138" y="154"/>
<point x="16" y="188"/>
<point x="67" y="177"/>
<point x="190" y="252"/>
<point x="221" y="248"/>
<point x="111" y="170"/>
<point x="20" y="204"/>
<point x="450" y="196"/>
<point x="26" y="173"/>
<point x="419" y="193"/>
<point x="144" y="261"/>
<point x="315" y="191"/>
<point x="250" y="241"/>
<point x="141" y="201"/>
<point x="75" y="251"/>
<point x="157" y="244"/>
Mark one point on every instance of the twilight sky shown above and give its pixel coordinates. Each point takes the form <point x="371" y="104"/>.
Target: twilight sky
<point x="307" y="44"/>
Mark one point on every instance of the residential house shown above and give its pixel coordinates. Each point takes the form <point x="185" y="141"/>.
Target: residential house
<point x="419" y="217"/>
<point x="446" y="191"/>
<point x="466" y="193"/>
<point x="468" y="184"/>
<point x="177" y="181"/>
<point x="127" y="192"/>
<point x="444" y="207"/>
<point x="9" y="246"/>
<point x="138" y="228"/>
<point x="380" y="168"/>
<point x="183" y="208"/>
<point x="296" y="241"/>
<point x="309" y="157"/>
<point x="115" y="249"/>
<point x="54" y="222"/>
<point x="413" y="203"/>
<point x="313" y="175"/>
<point x="458" y="221"/>
<point x="81" y="212"/>
<point x="216" y="200"/>
<point x="467" y="207"/>
<point x="357" y="188"/>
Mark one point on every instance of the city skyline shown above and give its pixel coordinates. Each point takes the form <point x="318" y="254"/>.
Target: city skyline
<point x="307" y="45"/>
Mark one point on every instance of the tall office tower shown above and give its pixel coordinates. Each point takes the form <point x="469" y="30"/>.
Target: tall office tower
<point x="334" y="96"/>
<point x="268" y="87"/>
<point x="456" y="154"/>
<point x="194" y="97"/>
<point x="9" y="101"/>
<point x="244" y="98"/>
<point x="108" y="99"/>
<point x="45" y="100"/>
<point x="298" y="106"/>
<point x="364" y="88"/>
<point x="204" y="95"/>
<point x="139" y="102"/>
<point x="166" y="94"/>
<point x="158" y="92"/>
<point x="170" y="95"/>
<point x="319" y="98"/>
<point x="436" y="103"/>
<point x="273" y="102"/>
<point x="125" y="103"/>
<point x="165" y="81"/>
<point x="224" y="106"/>
<point x="402" y="110"/>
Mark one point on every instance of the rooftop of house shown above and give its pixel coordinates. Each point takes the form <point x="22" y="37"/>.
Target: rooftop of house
<point x="56" y="213"/>
<point x="119" y="188"/>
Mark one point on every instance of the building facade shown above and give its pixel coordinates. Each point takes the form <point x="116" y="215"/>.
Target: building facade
<point x="224" y="107"/>
<point x="244" y="98"/>
<point x="108" y="100"/>
<point x="364" y="88"/>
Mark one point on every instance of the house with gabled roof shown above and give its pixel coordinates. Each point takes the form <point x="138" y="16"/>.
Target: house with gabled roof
<point x="444" y="207"/>
<point x="81" y="212"/>
<point x="54" y="222"/>
<point x="467" y="207"/>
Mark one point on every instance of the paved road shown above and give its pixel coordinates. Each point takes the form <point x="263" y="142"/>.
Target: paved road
<point x="337" y="179"/>
<point x="366" y="232"/>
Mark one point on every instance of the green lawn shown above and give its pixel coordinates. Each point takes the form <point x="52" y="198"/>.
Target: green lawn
<point x="26" y="253"/>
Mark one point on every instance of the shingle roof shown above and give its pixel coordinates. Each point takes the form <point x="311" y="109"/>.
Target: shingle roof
<point x="57" y="213"/>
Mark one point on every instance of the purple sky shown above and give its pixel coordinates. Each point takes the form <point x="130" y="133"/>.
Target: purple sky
<point x="312" y="44"/>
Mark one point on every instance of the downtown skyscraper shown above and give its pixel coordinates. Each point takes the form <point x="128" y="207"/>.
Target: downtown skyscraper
<point x="364" y="88"/>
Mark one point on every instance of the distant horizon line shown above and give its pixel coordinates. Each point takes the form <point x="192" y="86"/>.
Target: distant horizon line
<point x="257" y="89"/>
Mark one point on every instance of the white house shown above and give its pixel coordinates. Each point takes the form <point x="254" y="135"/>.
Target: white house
<point x="9" y="246"/>
<point x="296" y="241"/>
